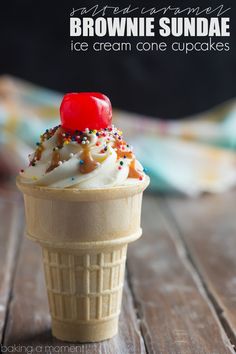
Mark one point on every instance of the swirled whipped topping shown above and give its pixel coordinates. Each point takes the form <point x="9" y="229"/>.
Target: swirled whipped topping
<point x="82" y="160"/>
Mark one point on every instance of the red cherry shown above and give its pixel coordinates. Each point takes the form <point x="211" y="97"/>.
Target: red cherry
<point x="85" y="110"/>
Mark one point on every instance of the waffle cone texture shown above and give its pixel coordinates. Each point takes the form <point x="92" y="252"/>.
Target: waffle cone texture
<point x="84" y="236"/>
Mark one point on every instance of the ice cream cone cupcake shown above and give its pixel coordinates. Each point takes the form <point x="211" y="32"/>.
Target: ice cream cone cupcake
<point x="83" y="195"/>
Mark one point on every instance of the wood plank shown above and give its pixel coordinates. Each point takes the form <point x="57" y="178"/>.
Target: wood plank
<point x="175" y="313"/>
<point x="208" y="228"/>
<point x="29" y="320"/>
<point x="10" y="234"/>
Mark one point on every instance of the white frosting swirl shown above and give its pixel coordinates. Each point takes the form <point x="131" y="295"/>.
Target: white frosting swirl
<point x="112" y="168"/>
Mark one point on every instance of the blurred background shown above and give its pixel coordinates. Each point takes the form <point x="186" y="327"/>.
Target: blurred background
<point x="177" y="109"/>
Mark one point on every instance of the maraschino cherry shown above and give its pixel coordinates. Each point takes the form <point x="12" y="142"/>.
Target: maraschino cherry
<point x="85" y="110"/>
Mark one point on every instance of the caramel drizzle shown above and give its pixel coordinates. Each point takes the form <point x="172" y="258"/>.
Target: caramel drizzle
<point x="88" y="163"/>
<point x="60" y="137"/>
<point x="56" y="157"/>
<point x="133" y="172"/>
<point x="55" y="161"/>
<point x="120" y="152"/>
<point x="38" y="153"/>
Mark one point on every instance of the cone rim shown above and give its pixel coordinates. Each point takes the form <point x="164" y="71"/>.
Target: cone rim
<point x="73" y="194"/>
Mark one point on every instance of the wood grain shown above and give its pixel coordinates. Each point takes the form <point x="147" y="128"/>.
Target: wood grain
<point x="208" y="228"/>
<point x="176" y="315"/>
<point x="10" y="234"/>
<point x="29" y="321"/>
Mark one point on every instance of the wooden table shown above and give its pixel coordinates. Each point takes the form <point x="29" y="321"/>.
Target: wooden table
<point x="180" y="293"/>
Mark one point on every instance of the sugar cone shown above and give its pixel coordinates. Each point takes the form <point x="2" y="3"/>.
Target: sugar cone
<point x="84" y="236"/>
